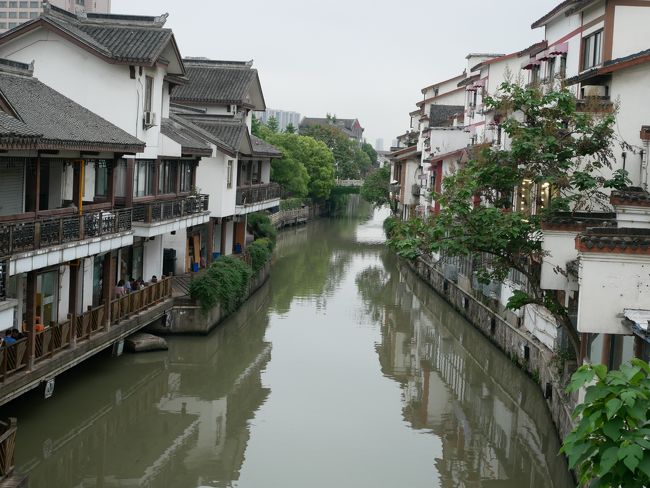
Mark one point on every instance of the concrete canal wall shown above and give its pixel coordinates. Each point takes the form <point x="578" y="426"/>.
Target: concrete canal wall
<point x="518" y="344"/>
<point x="187" y="317"/>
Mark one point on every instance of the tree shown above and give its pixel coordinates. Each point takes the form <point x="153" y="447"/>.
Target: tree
<point x="272" y="124"/>
<point x="550" y="143"/>
<point x="376" y="190"/>
<point x="307" y="166"/>
<point x="255" y="126"/>
<point x="610" y="446"/>
<point x="290" y="129"/>
<point x="370" y="151"/>
<point x="351" y="162"/>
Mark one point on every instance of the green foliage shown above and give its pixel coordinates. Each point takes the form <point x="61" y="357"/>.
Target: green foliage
<point x="306" y="168"/>
<point x="351" y="162"/>
<point x="550" y="142"/>
<point x="261" y="227"/>
<point x="370" y="151"/>
<point x="225" y="283"/>
<point x="610" y="447"/>
<point x="256" y="125"/>
<point x="260" y="252"/>
<point x="290" y="128"/>
<point x="292" y="203"/>
<point x="272" y="124"/>
<point x="375" y="189"/>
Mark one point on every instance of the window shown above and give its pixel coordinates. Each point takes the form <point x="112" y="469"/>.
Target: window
<point x="13" y="4"/>
<point x="12" y="25"/>
<point x="3" y="4"/>
<point x="13" y="15"/>
<point x="120" y="179"/>
<point x="33" y="15"/>
<point x="143" y="176"/>
<point x="101" y="178"/>
<point x="550" y="69"/>
<point x="148" y="93"/>
<point x="563" y="66"/>
<point x="257" y="172"/>
<point x="3" y="15"/>
<point x="524" y="197"/>
<point x="24" y="4"/>
<point x="3" y="25"/>
<point x="80" y="2"/>
<point x="592" y="50"/>
<point x="229" y="176"/>
<point x="185" y="169"/>
<point x="34" y="4"/>
<point x="22" y="15"/>
<point x="167" y="175"/>
<point x="534" y="74"/>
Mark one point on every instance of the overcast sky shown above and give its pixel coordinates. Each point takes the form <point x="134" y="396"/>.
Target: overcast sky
<point x="367" y="59"/>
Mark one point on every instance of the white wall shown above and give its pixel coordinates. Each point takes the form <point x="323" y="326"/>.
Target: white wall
<point x="561" y="248"/>
<point x="631" y="33"/>
<point x="610" y="283"/>
<point x="211" y="178"/>
<point x="446" y="140"/>
<point x="152" y="258"/>
<point x="230" y="232"/>
<point x="86" y="285"/>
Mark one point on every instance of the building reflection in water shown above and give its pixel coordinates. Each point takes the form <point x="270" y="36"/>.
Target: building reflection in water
<point x="173" y="419"/>
<point x="491" y="419"/>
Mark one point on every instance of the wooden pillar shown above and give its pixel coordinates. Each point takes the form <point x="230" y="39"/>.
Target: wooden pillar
<point x="76" y="185"/>
<point x="156" y="173"/>
<point x="607" y="349"/>
<point x="110" y="193"/>
<point x="638" y="347"/>
<point x="224" y="222"/>
<point x="108" y="284"/>
<point x="30" y="313"/>
<point x="37" y="185"/>
<point x="128" y="197"/>
<point x="209" y="246"/>
<point x="240" y="233"/>
<point x="584" y="339"/>
<point x="73" y="304"/>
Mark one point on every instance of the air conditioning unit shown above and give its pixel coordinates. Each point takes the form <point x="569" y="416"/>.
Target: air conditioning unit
<point x="594" y="91"/>
<point x="149" y="119"/>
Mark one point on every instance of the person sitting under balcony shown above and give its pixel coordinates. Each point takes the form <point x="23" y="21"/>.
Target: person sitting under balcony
<point x="8" y="340"/>
<point x="154" y="279"/>
<point x="127" y="285"/>
<point x="119" y="289"/>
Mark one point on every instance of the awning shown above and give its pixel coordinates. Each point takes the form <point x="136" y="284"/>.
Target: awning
<point x="559" y="49"/>
<point x="530" y="63"/>
<point x="543" y="56"/>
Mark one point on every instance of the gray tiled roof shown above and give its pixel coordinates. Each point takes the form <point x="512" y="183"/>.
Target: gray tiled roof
<point x="12" y="127"/>
<point x="113" y="36"/>
<point x="440" y="114"/>
<point x="216" y="82"/>
<point x="60" y="121"/>
<point x="633" y="196"/>
<point x="226" y="132"/>
<point x="190" y="142"/>
<point x="263" y="148"/>
<point x="617" y="239"/>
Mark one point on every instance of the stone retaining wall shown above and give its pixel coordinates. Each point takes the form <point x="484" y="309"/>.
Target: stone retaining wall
<point x="187" y="317"/>
<point x="537" y="360"/>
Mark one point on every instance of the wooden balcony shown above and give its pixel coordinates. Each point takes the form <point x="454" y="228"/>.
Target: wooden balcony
<point x="7" y="447"/>
<point x="18" y="236"/>
<point x="250" y="195"/>
<point x="64" y="343"/>
<point x="163" y="210"/>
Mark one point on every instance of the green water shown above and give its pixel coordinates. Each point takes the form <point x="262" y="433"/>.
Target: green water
<point x="342" y="371"/>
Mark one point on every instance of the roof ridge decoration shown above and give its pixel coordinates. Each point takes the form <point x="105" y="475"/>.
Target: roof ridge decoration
<point x="215" y="63"/>
<point x="105" y="19"/>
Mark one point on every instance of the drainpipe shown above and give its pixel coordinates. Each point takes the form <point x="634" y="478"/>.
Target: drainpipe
<point x="644" y="165"/>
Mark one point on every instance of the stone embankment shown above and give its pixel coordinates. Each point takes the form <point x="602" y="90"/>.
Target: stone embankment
<point x="544" y="366"/>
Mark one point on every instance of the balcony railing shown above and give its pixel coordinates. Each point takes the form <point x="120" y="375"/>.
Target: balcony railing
<point x="160" y="211"/>
<point x="258" y="193"/>
<point x="7" y="447"/>
<point x="24" y="236"/>
<point x="60" y="337"/>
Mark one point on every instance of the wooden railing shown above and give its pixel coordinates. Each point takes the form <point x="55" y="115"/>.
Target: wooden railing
<point x="7" y="447"/>
<point x="56" y="338"/>
<point x="284" y="217"/>
<point x="29" y="235"/>
<point x="13" y="357"/>
<point x="258" y="193"/>
<point x="52" y="340"/>
<point x="127" y="305"/>
<point x="162" y="210"/>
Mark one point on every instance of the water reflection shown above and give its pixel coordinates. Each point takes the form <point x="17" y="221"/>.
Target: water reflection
<point x="494" y="428"/>
<point x="289" y="392"/>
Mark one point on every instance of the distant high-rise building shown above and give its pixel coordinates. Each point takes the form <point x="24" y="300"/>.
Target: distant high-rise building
<point x="15" y="13"/>
<point x="379" y="144"/>
<point x="283" y="117"/>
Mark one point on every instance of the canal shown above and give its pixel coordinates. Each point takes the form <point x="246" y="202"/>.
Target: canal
<point x="344" y="370"/>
